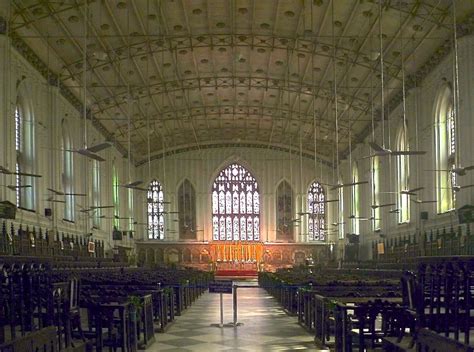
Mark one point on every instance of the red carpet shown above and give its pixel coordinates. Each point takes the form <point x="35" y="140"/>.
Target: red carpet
<point x="245" y="273"/>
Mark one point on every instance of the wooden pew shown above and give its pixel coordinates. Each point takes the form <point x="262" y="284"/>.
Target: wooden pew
<point x="44" y="340"/>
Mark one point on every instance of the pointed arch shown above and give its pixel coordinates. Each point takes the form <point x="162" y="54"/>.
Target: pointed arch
<point x="235" y="205"/>
<point x="403" y="175"/>
<point x="284" y="211"/>
<point x="187" y="210"/>
<point x="317" y="212"/>
<point x="445" y="148"/>
<point x="155" y="209"/>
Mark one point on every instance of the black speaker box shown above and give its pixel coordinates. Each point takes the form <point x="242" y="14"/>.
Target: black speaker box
<point x="48" y="212"/>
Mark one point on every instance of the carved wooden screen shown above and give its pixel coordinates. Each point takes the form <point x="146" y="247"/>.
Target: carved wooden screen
<point x="317" y="212"/>
<point x="187" y="210"/>
<point x="284" y="208"/>
<point x="235" y="205"/>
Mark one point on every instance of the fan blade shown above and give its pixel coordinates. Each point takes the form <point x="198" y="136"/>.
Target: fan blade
<point x="102" y="207"/>
<point x="14" y="188"/>
<point x="375" y="206"/>
<point x="59" y="193"/>
<point x="325" y="201"/>
<point x="75" y="194"/>
<point x="377" y="147"/>
<point x="408" y="152"/>
<point x="89" y="154"/>
<point x="419" y="201"/>
<point x="26" y="174"/>
<point x="133" y="184"/>
<point x="469" y="167"/>
<point x="98" y="147"/>
<point x="415" y="189"/>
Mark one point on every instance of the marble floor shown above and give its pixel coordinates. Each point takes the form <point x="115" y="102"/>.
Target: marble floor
<point x="265" y="326"/>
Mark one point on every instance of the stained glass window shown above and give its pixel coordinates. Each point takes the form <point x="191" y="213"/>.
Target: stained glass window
<point x="156" y="220"/>
<point x="284" y="208"/>
<point x="403" y="173"/>
<point x="18" y="143"/>
<point x="187" y="210"/>
<point x="317" y="212"/>
<point x="235" y="205"/>
<point x="445" y="151"/>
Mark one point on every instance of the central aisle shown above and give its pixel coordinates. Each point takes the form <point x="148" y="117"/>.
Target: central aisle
<point x="266" y="327"/>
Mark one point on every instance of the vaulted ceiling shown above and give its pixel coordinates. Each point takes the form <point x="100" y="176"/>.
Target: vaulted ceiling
<point x="197" y="73"/>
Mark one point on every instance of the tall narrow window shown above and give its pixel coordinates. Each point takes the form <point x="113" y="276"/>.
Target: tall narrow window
<point x="376" y="192"/>
<point x="284" y="208"/>
<point x="403" y="174"/>
<point x="68" y="172"/>
<point x="156" y="220"/>
<point x="235" y="205"/>
<point x="355" y="201"/>
<point x="96" y="216"/>
<point x="24" y="146"/>
<point x="317" y="212"/>
<point x="445" y="151"/>
<point x="187" y="211"/>
<point x="130" y="210"/>
<point x="340" y="218"/>
<point x="116" y="197"/>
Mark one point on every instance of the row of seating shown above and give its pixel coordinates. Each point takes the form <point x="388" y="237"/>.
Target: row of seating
<point x="92" y="309"/>
<point x="426" y="309"/>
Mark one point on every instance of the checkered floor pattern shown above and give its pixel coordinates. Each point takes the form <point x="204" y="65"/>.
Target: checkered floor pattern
<point x="265" y="326"/>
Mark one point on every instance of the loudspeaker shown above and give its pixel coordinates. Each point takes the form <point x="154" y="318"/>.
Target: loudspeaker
<point x="424" y="215"/>
<point x="48" y="212"/>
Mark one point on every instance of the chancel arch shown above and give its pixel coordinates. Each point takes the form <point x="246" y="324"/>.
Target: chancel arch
<point x="235" y="205"/>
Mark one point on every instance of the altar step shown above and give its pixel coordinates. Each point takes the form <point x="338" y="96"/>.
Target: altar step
<point x="235" y="273"/>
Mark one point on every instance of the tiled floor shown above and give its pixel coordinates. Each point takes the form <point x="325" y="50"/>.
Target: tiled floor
<point x="265" y="327"/>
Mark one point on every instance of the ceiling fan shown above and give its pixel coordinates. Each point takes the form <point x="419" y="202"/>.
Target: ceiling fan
<point x="325" y="201"/>
<point x="351" y="184"/>
<point x="135" y="186"/>
<point x="458" y="170"/>
<point x="51" y="200"/>
<point x="458" y="188"/>
<point x="5" y="171"/>
<point x="60" y="193"/>
<point x="381" y="151"/>
<point x="419" y="201"/>
<point x="15" y="187"/>
<point x="375" y="206"/>
<point x="410" y="192"/>
<point x="90" y="152"/>
<point x="93" y="208"/>
<point x="394" y="211"/>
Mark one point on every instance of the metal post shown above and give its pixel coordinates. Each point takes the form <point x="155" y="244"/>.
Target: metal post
<point x="234" y="298"/>
<point x="222" y="312"/>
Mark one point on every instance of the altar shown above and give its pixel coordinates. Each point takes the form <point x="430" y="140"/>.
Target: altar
<point x="237" y="252"/>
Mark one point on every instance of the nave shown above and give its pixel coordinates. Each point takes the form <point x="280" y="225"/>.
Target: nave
<point x="265" y="326"/>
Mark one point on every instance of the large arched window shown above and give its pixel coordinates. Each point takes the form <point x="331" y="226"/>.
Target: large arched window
<point x="187" y="210"/>
<point x="375" y="167"/>
<point x="284" y="212"/>
<point x="116" y="197"/>
<point x="96" y="216"/>
<point x="317" y="212"/>
<point x="156" y="220"/>
<point x="445" y="146"/>
<point x="24" y="146"/>
<point x="131" y="226"/>
<point x="355" y="211"/>
<point x="68" y="173"/>
<point x="235" y="205"/>
<point x="403" y="174"/>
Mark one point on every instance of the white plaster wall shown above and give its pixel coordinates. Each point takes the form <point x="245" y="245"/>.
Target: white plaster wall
<point x="49" y="108"/>
<point x="420" y="105"/>
<point x="269" y="167"/>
